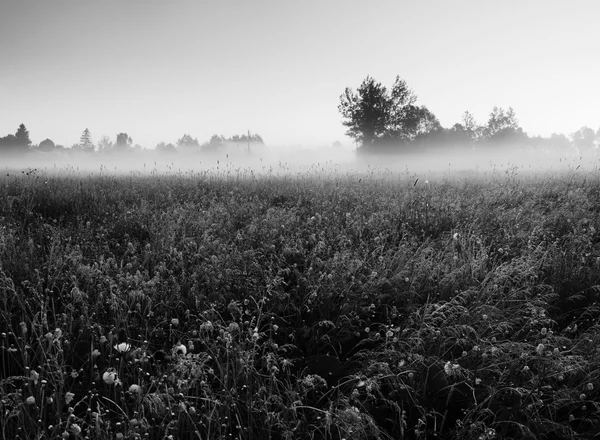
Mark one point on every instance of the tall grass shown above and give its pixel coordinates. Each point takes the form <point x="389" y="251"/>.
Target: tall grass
<point x="233" y="304"/>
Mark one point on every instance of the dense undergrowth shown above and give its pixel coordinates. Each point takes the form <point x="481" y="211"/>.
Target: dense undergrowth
<point x="331" y="306"/>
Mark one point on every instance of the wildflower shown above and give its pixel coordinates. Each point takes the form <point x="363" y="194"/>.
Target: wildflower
<point x="109" y="376"/>
<point x="135" y="389"/>
<point x="477" y="381"/>
<point x="389" y="334"/>
<point x="367" y="330"/>
<point x="411" y="375"/>
<point x="540" y="349"/>
<point x="75" y="429"/>
<point x="123" y="347"/>
<point x="175" y="322"/>
<point x="275" y="327"/>
<point x="476" y="348"/>
<point x="69" y="397"/>
<point x="95" y="353"/>
<point x="192" y="410"/>
<point x="448" y="368"/>
<point x="179" y="349"/>
<point x="455" y="236"/>
<point x="525" y="369"/>
<point x="590" y="386"/>
<point x="464" y="353"/>
<point x="561" y="377"/>
<point x="103" y="339"/>
<point x="582" y="396"/>
<point x="34" y="376"/>
<point x="30" y="400"/>
<point x="556" y="351"/>
<point x="485" y="317"/>
<point x="571" y="418"/>
<point x="544" y="331"/>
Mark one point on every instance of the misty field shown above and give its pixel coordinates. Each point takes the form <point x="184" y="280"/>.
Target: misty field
<point x="322" y="305"/>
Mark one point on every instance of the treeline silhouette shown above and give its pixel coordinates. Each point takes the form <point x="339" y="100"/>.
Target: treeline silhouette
<point x="380" y="121"/>
<point x="21" y="144"/>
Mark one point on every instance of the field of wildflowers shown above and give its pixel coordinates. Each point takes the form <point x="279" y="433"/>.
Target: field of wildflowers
<point x="307" y="306"/>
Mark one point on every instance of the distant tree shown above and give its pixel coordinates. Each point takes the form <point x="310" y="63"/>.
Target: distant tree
<point x="187" y="141"/>
<point x="584" y="139"/>
<point x="22" y="137"/>
<point x="559" y="142"/>
<point x="123" y="142"/>
<point x="501" y="123"/>
<point x="47" y="145"/>
<point x="214" y="143"/>
<point x="85" y="141"/>
<point x="471" y="128"/>
<point x="17" y="143"/>
<point x="105" y="144"/>
<point x="166" y="148"/>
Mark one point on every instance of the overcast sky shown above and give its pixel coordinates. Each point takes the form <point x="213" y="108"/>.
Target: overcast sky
<point x="159" y="69"/>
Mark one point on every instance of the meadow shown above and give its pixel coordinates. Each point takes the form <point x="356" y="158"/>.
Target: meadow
<point x="314" y="305"/>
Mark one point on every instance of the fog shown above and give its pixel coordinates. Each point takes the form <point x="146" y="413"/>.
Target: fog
<point x="261" y="160"/>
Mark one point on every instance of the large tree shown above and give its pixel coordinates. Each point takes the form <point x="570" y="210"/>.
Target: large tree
<point x="373" y="113"/>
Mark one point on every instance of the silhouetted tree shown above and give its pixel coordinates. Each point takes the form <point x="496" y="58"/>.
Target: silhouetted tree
<point x="503" y="127"/>
<point x="214" y="143"/>
<point x="85" y="141"/>
<point x="584" y="139"/>
<point x="187" y="141"/>
<point x="46" y="145"/>
<point x="105" y="144"/>
<point x="17" y="143"/>
<point x="373" y="114"/>
<point x="22" y="137"/>
<point x="123" y="142"/>
<point x="165" y="148"/>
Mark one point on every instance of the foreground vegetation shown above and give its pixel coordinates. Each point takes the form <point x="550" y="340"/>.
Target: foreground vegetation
<point x="332" y="306"/>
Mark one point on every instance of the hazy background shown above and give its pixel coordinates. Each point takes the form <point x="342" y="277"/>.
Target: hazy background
<point x="158" y="69"/>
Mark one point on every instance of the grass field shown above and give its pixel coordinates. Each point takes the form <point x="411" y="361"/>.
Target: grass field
<point x="318" y="305"/>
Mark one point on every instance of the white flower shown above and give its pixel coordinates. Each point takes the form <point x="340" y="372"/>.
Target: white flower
<point x="30" y="400"/>
<point x="179" y="349"/>
<point x="69" y="397"/>
<point x="123" y="347"/>
<point x="135" y="389"/>
<point x="109" y="376"/>
<point x="448" y="368"/>
<point x="540" y="349"/>
<point x="75" y="429"/>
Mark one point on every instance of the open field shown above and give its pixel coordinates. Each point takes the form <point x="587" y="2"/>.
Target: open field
<point x="325" y="305"/>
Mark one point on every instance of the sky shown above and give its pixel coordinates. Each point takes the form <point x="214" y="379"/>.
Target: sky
<point x="159" y="69"/>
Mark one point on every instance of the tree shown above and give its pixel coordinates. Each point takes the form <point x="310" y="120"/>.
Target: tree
<point x="46" y="145"/>
<point x="503" y="126"/>
<point x="17" y="143"/>
<point x="373" y="114"/>
<point x="123" y="142"/>
<point x="166" y="148"/>
<point x="187" y="141"/>
<point x="22" y="137"/>
<point x="85" y="141"/>
<point x="584" y="139"/>
<point x="105" y="144"/>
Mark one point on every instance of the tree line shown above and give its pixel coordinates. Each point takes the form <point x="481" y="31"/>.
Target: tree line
<point x="377" y="119"/>
<point x="390" y="121"/>
<point x="20" y="143"/>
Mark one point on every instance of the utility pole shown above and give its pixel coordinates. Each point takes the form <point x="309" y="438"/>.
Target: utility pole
<point x="248" y="141"/>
